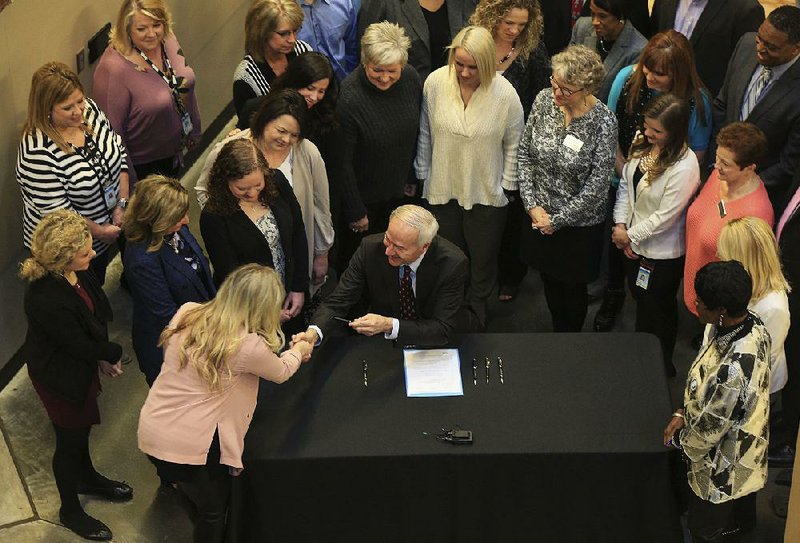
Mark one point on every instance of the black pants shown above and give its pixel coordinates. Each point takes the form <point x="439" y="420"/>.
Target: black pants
<point x="511" y="269"/>
<point x="721" y="522"/>
<point x="567" y="302"/>
<point x="348" y="241"/>
<point x="164" y="166"/>
<point x="657" y="307"/>
<point x="71" y="465"/>
<point x="209" y="492"/>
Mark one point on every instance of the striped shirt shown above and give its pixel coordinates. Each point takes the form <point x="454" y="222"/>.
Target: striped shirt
<point x="51" y="179"/>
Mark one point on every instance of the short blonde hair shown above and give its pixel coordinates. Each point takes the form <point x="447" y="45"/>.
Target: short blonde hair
<point x="262" y="19"/>
<point x="120" y="35"/>
<point x="579" y="66"/>
<point x="56" y="240"/>
<point x="248" y="302"/>
<point x="157" y="204"/>
<point x="418" y="218"/>
<point x="51" y="84"/>
<point x="750" y="241"/>
<point x="479" y="44"/>
<point x="385" y="43"/>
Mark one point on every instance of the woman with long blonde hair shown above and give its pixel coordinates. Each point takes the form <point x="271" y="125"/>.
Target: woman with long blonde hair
<point x="193" y="423"/>
<point x="750" y="241"/>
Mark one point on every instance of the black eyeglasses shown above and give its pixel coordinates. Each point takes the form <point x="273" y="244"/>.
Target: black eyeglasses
<point x="566" y="92"/>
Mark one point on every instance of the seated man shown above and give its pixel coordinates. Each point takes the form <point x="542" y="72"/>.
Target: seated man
<point x="412" y="279"/>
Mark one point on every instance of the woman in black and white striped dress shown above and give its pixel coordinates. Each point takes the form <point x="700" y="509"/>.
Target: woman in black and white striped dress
<point x="70" y="158"/>
<point x="270" y="30"/>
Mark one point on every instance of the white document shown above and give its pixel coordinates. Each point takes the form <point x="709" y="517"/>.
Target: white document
<point x="432" y="372"/>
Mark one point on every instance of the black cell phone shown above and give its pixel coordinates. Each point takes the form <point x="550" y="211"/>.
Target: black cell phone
<point x="341" y="319"/>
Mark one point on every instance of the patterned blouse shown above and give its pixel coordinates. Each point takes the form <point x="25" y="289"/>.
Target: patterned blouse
<point x="530" y="76"/>
<point x="269" y="227"/>
<point x="565" y="169"/>
<point x="726" y="404"/>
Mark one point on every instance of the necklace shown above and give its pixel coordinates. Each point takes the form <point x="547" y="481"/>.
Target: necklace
<point x="508" y="56"/>
<point x="602" y="44"/>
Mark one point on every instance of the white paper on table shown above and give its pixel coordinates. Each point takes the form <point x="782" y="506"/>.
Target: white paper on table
<point x="432" y="372"/>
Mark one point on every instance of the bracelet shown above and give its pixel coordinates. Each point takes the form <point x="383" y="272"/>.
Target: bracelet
<point x="678" y="414"/>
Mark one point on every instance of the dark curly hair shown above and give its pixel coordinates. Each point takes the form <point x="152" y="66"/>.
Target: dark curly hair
<point x="277" y="104"/>
<point x="725" y="285"/>
<point x="304" y="70"/>
<point x="238" y="158"/>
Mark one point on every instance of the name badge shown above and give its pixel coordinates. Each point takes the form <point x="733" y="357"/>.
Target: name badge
<point x="573" y="143"/>
<point x="186" y="122"/>
<point x="643" y="277"/>
<point x="110" y="196"/>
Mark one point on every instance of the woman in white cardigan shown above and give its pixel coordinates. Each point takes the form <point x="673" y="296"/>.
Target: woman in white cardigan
<point x="657" y="184"/>
<point x="469" y="132"/>
<point x="278" y="129"/>
<point x="750" y="241"/>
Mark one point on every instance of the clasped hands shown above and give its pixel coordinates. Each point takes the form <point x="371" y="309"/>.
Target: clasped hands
<point x="540" y="220"/>
<point x="109" y="369"/>
<point x="621" y="240"/>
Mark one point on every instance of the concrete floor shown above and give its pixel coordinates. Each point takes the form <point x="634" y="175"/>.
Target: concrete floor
<point x="28" y="497"/>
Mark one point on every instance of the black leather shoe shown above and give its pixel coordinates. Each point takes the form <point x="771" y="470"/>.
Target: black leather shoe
<point x="85" y="526"/>
<point x="613" y="299"/>
<point x="101" y="487"/>
<point x="781" y="457"/>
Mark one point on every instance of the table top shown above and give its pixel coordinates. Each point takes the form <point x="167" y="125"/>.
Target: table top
<point x="563" y="394"/>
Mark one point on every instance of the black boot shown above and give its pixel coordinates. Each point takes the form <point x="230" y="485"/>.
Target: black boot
<point x="613" y="299"/>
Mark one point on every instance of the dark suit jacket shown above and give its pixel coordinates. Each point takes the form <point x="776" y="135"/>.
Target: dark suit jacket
<point x="65" y="340"/>
<point x="441" y="281"/>
<point x="233" y="240"/>
<point x="557" y="14"/>
<point x="624" y="52"/>
<point x="408" y="15"/>
<point x="714" y="38"/>
<point x="777" y="114"/>
<point x="160" y="283"/>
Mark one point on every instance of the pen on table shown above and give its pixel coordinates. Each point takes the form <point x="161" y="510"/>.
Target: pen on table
<point x="364" y="366"/>
<point x="487" y="369"/>
<point x="500" y="367"/>
<point x="474" y="372"/>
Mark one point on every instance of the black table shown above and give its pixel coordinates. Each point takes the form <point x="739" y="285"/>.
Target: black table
<point x="568" y="449"/>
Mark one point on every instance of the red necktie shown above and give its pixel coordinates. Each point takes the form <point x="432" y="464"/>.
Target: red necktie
<point x="408" y="303"/>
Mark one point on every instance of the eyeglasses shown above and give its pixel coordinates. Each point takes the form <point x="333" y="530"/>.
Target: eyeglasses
<point x="285" y="33"/>
<point x="566" y="92"/>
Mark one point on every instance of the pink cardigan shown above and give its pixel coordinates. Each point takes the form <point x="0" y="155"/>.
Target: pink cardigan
<point x="178" y="419"/>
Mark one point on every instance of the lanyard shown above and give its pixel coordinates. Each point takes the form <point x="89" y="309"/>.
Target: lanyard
<point x="168" y="77"/>
<point x="99" y="164"/>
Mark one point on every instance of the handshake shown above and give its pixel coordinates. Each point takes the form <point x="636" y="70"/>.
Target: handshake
<point x="304" y="342"/>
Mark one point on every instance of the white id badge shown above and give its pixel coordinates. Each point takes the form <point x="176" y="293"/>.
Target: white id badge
<point x="110" y="195"/>
<point x="573" y="143"/>
<point x="186" y="121"/>
<point x="643" y="278"/>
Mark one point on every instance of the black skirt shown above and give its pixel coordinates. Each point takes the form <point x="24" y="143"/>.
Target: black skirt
<point x="571" y="254"/>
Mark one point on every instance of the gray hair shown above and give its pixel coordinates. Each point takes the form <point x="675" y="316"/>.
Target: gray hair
<point x="385" y="43"/>
<point x="579" y="66"/>
<point x="418" y="218"/>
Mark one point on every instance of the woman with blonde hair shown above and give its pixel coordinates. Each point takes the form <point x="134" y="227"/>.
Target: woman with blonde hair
<point x="164" y="264"/>
<point x="750" y="241"/>
<point x="71" y="158"/>
<point x="146" y="88"/>
<point x="195" y="418"/>
<point x="270" y="43"/>
<point x="470" y="127"/>
<point x="67" y="342"/>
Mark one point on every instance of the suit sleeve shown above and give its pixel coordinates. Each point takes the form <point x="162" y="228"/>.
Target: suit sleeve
<point x="297" y="243"/>
<point x="219" y="244"/>
<point x="146" y="277"/>
<point x="449" y="299"/>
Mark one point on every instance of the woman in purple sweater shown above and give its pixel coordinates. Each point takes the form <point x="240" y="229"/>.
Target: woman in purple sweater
<point x="146" y="89"/>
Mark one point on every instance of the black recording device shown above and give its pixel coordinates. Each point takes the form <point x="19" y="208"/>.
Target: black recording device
<point x="455" y="437"/>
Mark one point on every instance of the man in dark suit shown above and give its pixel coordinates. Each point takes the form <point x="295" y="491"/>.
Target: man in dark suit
<point x="713" y="34"/>
<point x="413" y="282"/>
<point x="762" y="87"/>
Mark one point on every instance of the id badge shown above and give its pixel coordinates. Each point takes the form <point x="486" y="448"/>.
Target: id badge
<point x="186" y="122"/>
<point x="572" y="143"/>
<point x="643" y="277"/>
<point x="110" y="195"/>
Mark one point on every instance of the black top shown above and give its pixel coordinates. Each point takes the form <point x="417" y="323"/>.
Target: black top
<point x="439" y="31"/>
<point x="233" y="240"/>
<point x="65" y="339"/>
<point x="530" y="76"/>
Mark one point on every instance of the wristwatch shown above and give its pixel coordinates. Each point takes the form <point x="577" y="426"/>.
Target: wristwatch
<point x="122" y="203"/>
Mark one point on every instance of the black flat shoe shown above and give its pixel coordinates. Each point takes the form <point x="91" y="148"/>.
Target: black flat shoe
<point x="85" y="526"/>
<point x="102" y="487"/>
<point x="613" y="300"/>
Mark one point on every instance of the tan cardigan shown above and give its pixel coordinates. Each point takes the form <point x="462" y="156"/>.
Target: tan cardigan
<point x="310" y="186"/>
<point x="180" y="414"/>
